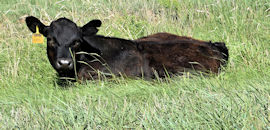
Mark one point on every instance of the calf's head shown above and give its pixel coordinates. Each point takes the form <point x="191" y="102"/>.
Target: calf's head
<point x="64" y="39"/>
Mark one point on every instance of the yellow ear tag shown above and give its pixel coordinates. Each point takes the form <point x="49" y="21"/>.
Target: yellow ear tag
<point x="37" y="37"/>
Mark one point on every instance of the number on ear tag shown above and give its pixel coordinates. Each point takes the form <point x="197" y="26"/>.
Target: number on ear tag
<point x="37" y="37"/>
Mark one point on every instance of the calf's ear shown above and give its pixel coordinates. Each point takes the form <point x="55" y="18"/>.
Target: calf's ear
<point x="32" y="22"/>
<point x="91" y="27"/>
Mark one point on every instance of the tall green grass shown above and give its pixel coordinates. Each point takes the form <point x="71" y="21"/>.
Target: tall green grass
<point x="238" y="98"/>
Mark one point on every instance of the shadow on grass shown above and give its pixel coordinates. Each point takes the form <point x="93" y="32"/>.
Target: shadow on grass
<point x="64" y="83"/>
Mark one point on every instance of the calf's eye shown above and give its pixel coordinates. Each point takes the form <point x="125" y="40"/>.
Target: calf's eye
<point x="51" y="43"/>
<point x="76" y="44"/>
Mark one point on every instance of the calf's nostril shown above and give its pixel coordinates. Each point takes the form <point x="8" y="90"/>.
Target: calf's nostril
<point x="59" y="63"/>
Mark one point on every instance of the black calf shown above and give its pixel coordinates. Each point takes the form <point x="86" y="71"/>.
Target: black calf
<point x="162" y="52"/>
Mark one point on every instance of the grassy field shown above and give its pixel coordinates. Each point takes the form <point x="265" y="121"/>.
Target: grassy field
<point x="238" y="98"/>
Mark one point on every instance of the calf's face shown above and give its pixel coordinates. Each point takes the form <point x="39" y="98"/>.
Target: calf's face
<point x="64" y="39"/>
